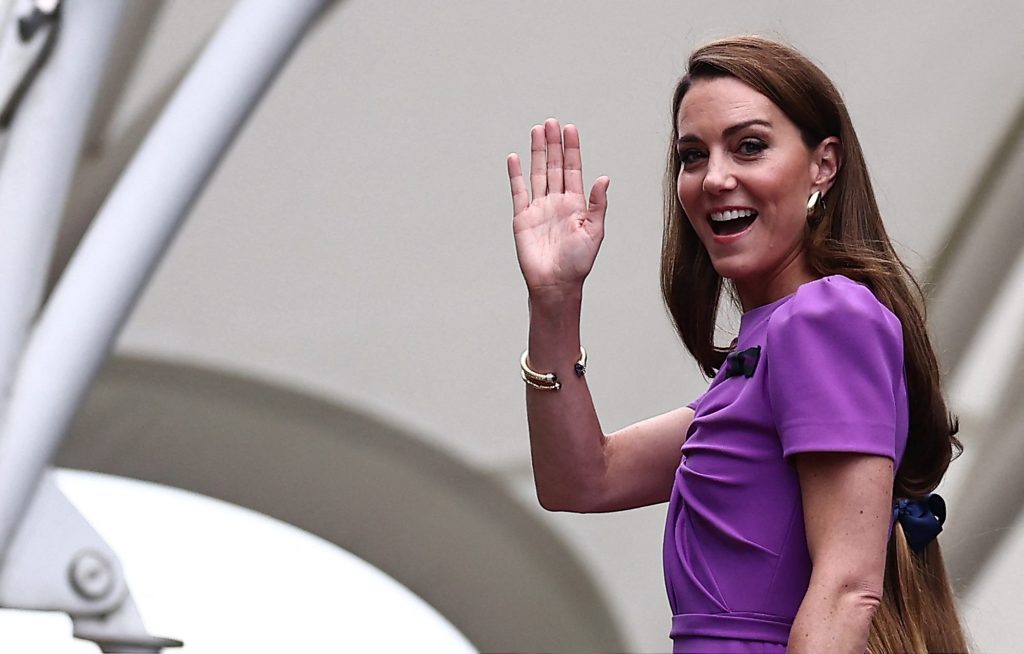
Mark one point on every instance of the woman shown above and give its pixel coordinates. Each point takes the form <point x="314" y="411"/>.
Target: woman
<point x="799" y="516"/>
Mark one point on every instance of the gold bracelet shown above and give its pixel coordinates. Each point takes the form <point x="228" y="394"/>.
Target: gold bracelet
<point x="548" y="381"/>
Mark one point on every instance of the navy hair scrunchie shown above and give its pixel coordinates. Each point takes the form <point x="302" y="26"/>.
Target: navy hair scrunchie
<point x="921" y="519"/>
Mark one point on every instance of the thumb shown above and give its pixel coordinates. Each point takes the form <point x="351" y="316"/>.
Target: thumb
<point x="598" y="203"/>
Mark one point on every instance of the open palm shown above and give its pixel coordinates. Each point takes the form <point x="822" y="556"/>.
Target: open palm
<point x="558" y="232"/>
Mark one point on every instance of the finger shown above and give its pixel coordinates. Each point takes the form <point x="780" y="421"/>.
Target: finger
<point x="538" y="162"/>
<point x="553" y="137"/>
<point x="520" y="198"/>
<point x="598" y="203"/>
<point x="573" y="162"/>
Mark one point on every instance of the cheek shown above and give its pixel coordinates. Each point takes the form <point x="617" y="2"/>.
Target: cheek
<point x="780" y="189"/>
<point x="790" y="181"/>
<point x="687" y="188"/>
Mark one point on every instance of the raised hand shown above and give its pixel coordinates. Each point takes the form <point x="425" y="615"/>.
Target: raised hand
<point x="558" y="232"/>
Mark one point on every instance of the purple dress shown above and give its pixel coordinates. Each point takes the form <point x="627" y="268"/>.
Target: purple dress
<point x="829" y="379"/>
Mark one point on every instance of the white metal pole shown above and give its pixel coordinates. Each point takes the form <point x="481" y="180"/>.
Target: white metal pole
<point x="42" y="152"/>
<point x="104" y="278"/>
<point x="136" y="25"/>
<point x="989" y="502"/>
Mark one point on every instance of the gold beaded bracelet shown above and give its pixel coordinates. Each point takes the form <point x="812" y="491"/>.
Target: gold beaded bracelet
<point x="547" y="381"/>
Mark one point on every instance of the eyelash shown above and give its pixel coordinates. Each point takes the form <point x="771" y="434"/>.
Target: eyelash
<point x="685" y="156"/>
<point x="748" y="147"/>
<point x="759" y="145"/>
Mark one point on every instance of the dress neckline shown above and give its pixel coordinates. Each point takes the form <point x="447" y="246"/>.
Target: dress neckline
<point x="755" y="315"/>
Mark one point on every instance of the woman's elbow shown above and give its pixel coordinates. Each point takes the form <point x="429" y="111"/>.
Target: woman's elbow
<point x="562" y="502"/>
<point x="852" y="596"/>
<point x="862" y="599"/>
<point x="556" y="506"/>
<point x="867" y="600"/>
<point x="550" y="502"/>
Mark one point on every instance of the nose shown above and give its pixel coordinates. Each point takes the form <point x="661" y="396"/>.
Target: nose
<point x="718" y="176"/>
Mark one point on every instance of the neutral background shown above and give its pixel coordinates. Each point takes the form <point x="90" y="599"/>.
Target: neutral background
<point x="355" y="246"/>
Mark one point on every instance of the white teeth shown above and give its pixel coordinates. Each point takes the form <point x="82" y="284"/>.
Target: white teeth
<point x="722" y="216"/>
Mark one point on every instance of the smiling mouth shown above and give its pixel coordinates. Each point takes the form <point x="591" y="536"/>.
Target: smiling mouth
<point x="724" y="223"/>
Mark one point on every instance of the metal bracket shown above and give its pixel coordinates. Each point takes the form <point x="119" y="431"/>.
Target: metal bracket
<point x="43" y="11"/>
<point x="26" y="43"/>
<point x="121" y="631"/>
<point x="58" y="562"/>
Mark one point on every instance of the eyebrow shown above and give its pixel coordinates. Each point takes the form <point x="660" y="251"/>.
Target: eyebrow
<point x="728" y="131"/>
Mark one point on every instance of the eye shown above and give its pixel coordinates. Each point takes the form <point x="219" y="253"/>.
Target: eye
<point x="752" y="147"/>
<point x="690" y="156"/>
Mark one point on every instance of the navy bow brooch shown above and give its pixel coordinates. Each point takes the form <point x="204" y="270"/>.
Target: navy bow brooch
<point x="921" y="519"/>
<point x="742" y="363"/>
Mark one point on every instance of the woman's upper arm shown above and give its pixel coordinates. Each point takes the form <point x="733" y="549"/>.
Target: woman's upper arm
<point x="838" y="385"/>
<point x="641" y="460"/>
<point x="847" y="505"/>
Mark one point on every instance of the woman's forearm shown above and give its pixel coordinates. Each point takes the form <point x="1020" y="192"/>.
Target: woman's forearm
<point x="566" y="440"/>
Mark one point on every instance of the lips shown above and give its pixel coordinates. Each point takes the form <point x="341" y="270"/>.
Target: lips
<point x="731" y="221"/>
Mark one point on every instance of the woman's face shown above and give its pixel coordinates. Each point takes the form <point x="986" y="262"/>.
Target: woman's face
<point x="744" y="181"/>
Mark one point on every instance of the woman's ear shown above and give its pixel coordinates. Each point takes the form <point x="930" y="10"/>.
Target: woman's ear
<point x="826" y="160"/>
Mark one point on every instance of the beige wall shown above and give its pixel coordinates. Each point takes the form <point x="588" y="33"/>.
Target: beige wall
<point x="356" y="244"/>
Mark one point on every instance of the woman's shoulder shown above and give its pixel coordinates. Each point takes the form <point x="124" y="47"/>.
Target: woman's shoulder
<point x="837" y="301"/>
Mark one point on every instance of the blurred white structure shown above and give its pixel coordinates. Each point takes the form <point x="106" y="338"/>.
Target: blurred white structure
<point x="333" y="338"/>
<point x="272" y="587"/>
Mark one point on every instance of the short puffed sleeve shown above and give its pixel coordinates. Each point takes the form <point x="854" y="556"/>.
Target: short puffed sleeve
<point x="835" y="371"/>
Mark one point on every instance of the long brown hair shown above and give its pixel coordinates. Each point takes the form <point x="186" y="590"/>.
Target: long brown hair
<point x="847" y="237"/>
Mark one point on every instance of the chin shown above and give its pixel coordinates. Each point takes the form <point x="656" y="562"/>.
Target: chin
<point x="731" y="271"/>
